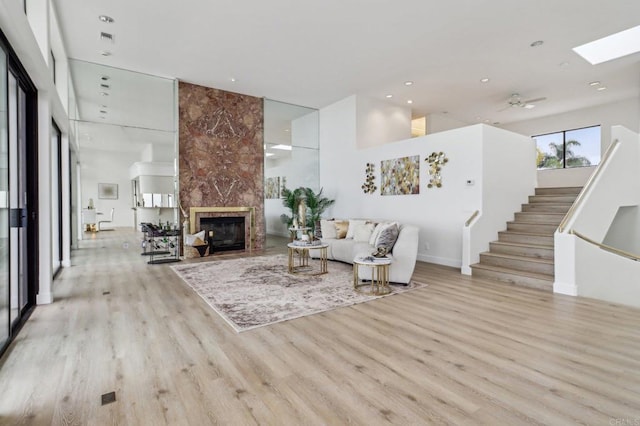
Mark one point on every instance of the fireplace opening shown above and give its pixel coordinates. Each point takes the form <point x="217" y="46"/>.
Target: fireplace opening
<point x="223" y="233"/>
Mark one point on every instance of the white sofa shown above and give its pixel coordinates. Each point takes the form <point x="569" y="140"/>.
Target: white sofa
<point x="404" y="253"/>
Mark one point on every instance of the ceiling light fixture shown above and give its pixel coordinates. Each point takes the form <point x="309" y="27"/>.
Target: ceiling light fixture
<point x="484" y="80"/>
<point x="409" y="101"/>
<point x="105" y="78"/>
<point x="106" y="19"/>
<point x="611" y="47"/>
<point x="408" y="83"/>
<point x="105" y="86"/>
<point x="103" y="111"/>
<point x="601" y="88"/>
<point x="269" y="154"/>
<point x="104" y="94"/>
<point x="106" y="37"/>
<point x="105" y="53"/>
<point x="233" y="80"/>
<point x="594" y="83"/>
<point x="282" y="147"/>
<point x="537" y="43"/>
<point x="389" y="96"/>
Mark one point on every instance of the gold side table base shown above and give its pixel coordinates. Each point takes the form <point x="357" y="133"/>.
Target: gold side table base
<point x="302" y="255"/>
<point x="379" y="284"/>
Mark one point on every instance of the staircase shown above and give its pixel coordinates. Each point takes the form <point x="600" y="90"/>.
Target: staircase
<point x="523" y="254"/>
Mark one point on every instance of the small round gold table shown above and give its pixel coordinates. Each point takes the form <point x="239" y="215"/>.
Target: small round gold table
<point x="379" y="284"/>
<point x="301" y="252"/>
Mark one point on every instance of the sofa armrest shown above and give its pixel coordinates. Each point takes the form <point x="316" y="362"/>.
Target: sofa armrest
<point x="405" y="254"/>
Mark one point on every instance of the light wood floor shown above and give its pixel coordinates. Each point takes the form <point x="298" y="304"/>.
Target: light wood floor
<point x="459" y="351"/>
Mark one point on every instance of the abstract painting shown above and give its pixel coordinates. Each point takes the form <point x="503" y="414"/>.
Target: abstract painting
<point x="108" y="191"/>
<point x="400" y="176"/>
<point x="272" y="187"/>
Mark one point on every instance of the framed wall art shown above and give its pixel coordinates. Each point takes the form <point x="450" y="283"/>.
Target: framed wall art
<point x="108" y="191"/>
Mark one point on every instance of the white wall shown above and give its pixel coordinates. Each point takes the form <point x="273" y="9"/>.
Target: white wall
<point x="624" y="232"/>
<point x="507" y="162"/>
<point x="439" y="212"/>
<point x="442" y="122"/>
<point x="624" y="113"/>
<point x="380" y="122"/>
<point x="109" y="167"/>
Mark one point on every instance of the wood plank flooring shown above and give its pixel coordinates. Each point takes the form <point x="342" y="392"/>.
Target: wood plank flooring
<point x="460" y="351"/>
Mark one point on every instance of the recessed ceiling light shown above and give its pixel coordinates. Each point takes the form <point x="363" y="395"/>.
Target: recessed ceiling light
<point x="282" y="147"/>
<point x="389" y="96"/>
<point x="486" y="121"/>
<point x="105" y="78"/>
<point x="286" y="130"/>
<point x="105" y="53"/>
<point x="611" y="47"/>
<point x="529" y="106"/>
<point x="594" y="83"/>
<point x="537" y="43"/>
<point x="601" y="88"/>
<point x="484" y="80"/>
<point x="269" y="154"/>
<point x="233" y="80"/>
<point x="408" y="83"/>
<point x="105" y="18"/>
<point x="409" y="101"/>
<point x="103" y="111"/>
<point x="106" y="36"/>
<point x="105" y="86"/>
<point x="104" y="94"/>
<point x="495" y="123"/>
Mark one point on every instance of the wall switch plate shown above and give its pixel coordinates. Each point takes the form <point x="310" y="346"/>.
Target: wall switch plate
<point x="471" y="182"/>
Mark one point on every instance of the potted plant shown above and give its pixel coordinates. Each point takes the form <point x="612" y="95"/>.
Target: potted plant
<point x="316" y="205"/>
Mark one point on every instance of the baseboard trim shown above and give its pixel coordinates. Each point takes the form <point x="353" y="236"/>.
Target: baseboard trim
<point x="44" y="298"/>
<point x="564" y="288"/>
<point x="454" y="263"/>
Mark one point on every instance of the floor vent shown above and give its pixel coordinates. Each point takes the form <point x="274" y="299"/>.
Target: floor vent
<point x="108" y="398"/>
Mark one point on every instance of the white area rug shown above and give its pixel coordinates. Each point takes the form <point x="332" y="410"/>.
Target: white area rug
<point x="257" y="291"/>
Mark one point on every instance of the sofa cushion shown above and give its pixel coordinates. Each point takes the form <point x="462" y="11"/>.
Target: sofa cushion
<point x="342" y="226"/>
<point x="378" y="229"/>
<point x="387" y="238"/>
<point x="353" y="224"/>
<point x="362" y="232"/>
<point x="328" y="228"/>
<point x="342" y="249"/>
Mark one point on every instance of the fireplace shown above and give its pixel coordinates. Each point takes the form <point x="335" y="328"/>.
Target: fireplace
<point x="223" y="233"/>
<point x="232" y="227"/>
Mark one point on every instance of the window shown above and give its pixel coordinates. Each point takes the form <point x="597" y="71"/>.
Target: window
<point x="568" y="148"/>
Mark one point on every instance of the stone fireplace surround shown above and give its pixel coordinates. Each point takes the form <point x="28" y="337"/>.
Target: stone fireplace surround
<point x="196" y="213"/>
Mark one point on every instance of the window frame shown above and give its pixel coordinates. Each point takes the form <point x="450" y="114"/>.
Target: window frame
<point x="564" y="146"/>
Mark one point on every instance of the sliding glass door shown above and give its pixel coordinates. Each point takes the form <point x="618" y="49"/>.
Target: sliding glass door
<point x="4" y="205"/>
<point x="18" y="176"/>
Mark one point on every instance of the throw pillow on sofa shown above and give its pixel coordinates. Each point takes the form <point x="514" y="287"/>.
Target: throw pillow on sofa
<point x="388" y="237"/>
<point x="378" y="229"/>
<point x="362" y="232"/>
<point x="353" y="223"/>
<point x="328" y="228"/>
<point x="342" y="226"/>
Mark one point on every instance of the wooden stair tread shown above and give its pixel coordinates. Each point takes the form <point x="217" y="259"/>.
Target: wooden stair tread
<point x="533" y="246"/>
<point x="516" y="257"/>
<point x="514" y="272"/>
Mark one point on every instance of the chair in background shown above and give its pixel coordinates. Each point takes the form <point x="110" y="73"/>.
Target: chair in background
<point x="106" y="221"/>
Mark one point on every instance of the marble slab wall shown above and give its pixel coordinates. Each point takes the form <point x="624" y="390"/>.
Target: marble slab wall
<point x="221" y="161"/>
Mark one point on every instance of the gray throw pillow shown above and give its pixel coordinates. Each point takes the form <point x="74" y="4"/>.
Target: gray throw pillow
<point x="388" y="237"/>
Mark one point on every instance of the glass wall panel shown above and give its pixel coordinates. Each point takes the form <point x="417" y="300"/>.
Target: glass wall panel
<point x="291" y="145"/>
<point x="4" y="207"/>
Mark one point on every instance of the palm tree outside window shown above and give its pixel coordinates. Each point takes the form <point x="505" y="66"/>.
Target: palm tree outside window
<point x="568" y="148"/>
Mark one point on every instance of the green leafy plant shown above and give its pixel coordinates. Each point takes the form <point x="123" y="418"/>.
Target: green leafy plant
<point x="316" y="204"/>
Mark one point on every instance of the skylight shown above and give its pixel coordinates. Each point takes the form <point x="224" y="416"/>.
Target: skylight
<point x="611" y="47"/>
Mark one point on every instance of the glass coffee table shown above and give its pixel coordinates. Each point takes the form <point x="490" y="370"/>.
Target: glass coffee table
<point x="299" y="258"/>
<point x="379" y="284"/>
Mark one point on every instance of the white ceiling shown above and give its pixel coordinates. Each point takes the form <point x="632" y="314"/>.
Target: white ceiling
<point x="316" y="53"/>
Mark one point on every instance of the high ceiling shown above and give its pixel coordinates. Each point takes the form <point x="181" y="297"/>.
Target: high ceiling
<point x="316" y="53"/>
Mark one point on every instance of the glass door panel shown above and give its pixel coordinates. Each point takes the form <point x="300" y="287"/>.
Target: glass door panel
<point x="4" y="207"/>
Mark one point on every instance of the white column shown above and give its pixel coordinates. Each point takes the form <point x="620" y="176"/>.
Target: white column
<point x="65" y="172"/>
<point x="45" y="295"/>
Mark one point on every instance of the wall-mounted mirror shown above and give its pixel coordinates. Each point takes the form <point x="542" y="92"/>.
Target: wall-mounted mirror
<point x="124" y="134"/>
<point x="291" y="146"/>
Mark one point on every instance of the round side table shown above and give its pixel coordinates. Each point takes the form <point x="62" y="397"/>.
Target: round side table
<point x="379" y="284"/>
